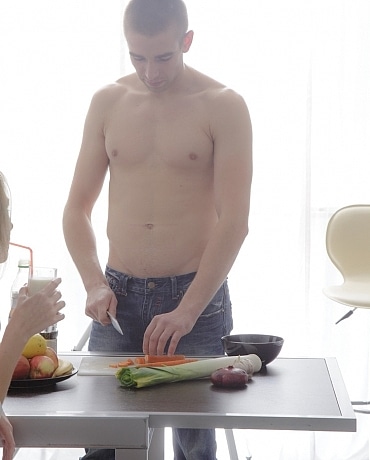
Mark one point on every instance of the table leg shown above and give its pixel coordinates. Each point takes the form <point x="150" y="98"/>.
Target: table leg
<point x="156" y="449"/>
<point x="231" y="444"/>
<point x="132" y="454"/>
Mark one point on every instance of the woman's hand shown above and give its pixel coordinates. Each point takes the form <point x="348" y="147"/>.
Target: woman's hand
<point x="39" y="311"/>
<point x="6" y="435"/>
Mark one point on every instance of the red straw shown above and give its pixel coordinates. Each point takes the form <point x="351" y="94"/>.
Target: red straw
<point x="31" y="254"/>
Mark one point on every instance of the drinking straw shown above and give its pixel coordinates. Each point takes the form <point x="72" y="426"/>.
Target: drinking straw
<point x="31" y="254"/>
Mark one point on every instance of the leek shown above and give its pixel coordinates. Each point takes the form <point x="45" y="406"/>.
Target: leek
<point x="131" y="377"/>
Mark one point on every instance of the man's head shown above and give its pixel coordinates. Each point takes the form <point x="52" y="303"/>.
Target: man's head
<point x="150" y="17"/>
<point x="157" y="36"/>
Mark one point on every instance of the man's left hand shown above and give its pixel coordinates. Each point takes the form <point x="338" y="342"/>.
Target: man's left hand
<point x="163" y="328"/>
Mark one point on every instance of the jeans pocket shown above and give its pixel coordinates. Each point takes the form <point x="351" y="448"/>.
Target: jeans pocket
<point x="113" y="281"/>
<point x="216" y="306"/>
<point x="116" y="282"/>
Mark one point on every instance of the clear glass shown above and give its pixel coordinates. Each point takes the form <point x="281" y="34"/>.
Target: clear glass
<point x="39" y="278"/>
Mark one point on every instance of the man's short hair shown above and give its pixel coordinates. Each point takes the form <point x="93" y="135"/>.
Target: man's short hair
<point x="150" y="17"/>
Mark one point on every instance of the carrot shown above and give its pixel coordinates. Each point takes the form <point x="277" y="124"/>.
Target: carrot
<point x="163" y="358"/>
<point x="153" y="361"/>
<point x="126" y="363"/>
<point x="166" y="363"/>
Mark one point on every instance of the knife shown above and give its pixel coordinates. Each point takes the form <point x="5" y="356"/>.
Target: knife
<point x="115" y="323"/>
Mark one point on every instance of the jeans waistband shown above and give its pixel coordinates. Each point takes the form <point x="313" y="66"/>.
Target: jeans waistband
<point x="169" y="284"/>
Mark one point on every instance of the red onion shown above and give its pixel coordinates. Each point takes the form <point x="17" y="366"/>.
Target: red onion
<point x="229" y="377"/>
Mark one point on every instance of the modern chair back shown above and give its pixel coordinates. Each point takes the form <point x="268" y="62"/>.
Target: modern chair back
<point x="348" y="246"/>
<point x="348" y="241"/>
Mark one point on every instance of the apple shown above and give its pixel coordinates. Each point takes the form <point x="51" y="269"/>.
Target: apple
<point x="41" y="367"/>
<point x="50" y="352"/>
<point x="22" y="369"/>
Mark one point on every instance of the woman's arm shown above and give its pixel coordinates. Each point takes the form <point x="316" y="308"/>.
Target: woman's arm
<point x="6" y="435"/>
<point x="32" y="315"/>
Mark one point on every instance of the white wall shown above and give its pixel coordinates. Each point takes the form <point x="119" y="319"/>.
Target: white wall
<point x="54" y="56"/>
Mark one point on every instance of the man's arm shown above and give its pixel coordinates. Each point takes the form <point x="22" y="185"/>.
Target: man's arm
<point x="232" y="135"/>
<point x="90" y="172"/>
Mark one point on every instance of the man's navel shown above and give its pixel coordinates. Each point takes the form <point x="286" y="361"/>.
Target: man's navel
<point x="149" y="226"/>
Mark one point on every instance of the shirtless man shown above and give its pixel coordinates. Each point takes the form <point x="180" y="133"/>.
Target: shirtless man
<point x="178" y="147"/>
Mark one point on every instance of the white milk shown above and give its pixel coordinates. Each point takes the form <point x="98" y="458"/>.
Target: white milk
<point x="35" y="284"/>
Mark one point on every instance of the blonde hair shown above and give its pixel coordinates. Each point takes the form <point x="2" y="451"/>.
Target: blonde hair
<point x="4" y="210"/>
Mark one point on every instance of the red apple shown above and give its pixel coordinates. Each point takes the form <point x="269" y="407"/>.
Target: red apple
<point x="41" y="367"/>
<point x="50" y="352"/>
<point x="22" y="369"/>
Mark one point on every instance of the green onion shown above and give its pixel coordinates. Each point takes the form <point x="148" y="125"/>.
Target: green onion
<point x="147" y="376"/>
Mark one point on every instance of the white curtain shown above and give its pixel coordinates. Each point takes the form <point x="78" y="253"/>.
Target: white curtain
<point x="303" y="67"/>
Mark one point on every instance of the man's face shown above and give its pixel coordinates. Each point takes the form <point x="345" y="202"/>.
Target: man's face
<point x="158" y="60"/>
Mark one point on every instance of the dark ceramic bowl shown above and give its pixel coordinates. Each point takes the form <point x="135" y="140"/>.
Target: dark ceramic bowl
<point x="266" y="347"/>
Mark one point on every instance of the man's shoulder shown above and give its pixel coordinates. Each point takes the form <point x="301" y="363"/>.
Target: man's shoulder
<point x="110" y="94"/>
<point x="220" y="102"/>
<point x="214" y="90"/>
<point x="120" y="86"/>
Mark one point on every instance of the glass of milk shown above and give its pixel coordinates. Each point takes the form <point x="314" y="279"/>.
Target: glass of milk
<point x="39" y="278"/>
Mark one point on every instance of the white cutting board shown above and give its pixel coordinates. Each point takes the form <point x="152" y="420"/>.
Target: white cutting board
<point x="98" y="365"/>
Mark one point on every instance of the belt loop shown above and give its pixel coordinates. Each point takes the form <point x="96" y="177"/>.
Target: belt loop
<point x="175" y="295"/>
<point x="123" y="284"/>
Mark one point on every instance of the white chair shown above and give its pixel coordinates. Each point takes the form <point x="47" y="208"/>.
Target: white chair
<point x="348" y="247"/>
<point x="84" y="338"/>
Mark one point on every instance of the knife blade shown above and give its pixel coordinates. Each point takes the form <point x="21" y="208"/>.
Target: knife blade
<point x="115" y="323"/>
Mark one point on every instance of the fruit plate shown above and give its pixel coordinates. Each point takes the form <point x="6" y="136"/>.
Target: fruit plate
<point x="36" y="383"/>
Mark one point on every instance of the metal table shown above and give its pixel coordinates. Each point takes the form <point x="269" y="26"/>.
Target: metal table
<point x="93" y="410"/>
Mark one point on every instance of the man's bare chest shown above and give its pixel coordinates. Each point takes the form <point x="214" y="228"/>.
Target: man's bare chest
<point x="159" y="136"/>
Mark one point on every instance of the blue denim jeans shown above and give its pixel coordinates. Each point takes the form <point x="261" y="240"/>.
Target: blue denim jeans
<point x="139" y="300"/>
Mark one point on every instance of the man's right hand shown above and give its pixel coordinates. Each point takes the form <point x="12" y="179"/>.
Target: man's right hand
<point x="99" y="300"/>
